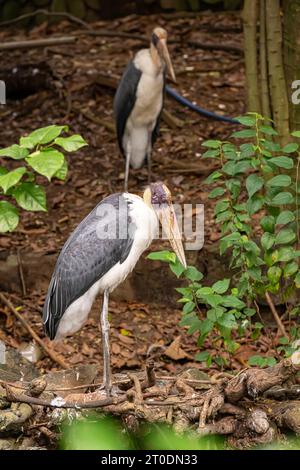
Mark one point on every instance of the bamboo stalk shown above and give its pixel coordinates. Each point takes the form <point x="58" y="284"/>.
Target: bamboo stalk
<point x="250" y="16"/>
<point x="278" y="89"/>
<point x="264" y="84"/>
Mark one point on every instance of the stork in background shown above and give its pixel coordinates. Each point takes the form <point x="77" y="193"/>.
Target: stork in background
<point x="139" y="101"/>
<point x="99" y="255"/>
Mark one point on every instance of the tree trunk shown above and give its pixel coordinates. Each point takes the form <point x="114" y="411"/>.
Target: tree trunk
<point x="250" y="15"/>
<point x="264" y="84"/>
<point x="278" y="88"/>
<point x="291" y="49"/>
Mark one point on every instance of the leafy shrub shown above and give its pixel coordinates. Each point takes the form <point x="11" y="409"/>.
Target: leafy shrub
<point x="257" y="208"/>
<point x="39" y="154"/>
<point x="257" y="191"/>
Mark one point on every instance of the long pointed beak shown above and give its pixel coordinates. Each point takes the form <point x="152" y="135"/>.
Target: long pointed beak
<point x="169" y="223"/>
<point x="167" y="59"/>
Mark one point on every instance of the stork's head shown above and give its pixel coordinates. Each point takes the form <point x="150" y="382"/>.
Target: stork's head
<point x="159" y="42"/>
<point x="158" y="196"/>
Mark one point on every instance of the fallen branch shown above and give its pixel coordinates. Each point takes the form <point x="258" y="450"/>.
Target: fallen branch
<point x="5" y="46"/>
<point x="34" y="335"/>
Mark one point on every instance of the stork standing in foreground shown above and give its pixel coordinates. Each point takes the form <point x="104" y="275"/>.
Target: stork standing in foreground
<point x="139" y="101"/>
<point x="99" y="255"/>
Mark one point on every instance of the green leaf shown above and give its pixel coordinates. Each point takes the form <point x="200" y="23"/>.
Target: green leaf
<point x="267" y="240"/>
<point x="221" y="206"/>
<point x="14" y="151"/>
<point x="285" y="236"/>
<point x="177" y="268"/>
<point x="268" y="223"/>
<point x="61" y="174"/>
<point x="44" y="135"/>
<point x="268" y="130"/>
<point x="212" y="153"/>
<point x="193" y="274"/>
<point x="202" y="356"/>
<point x="30" y="197"/>
<point x="213" y="144"/>
<point x="213" y="300"/>
<point x="290" y="269"/>
<point x="163" y="255"/>
<point x="232" y="301"/>
<point x="228" y="321"/>
<point x="46" y="162"/>
<point x="285" y="254"/>
<point x="296" y="134"/>
<point x="297" y="281"/>
<point x="285" y="217"/>
<point x="279" y="181"/>
<point x="249" y="121"/>
<point x="290" y="148"/>
<point x="12" y="178"/>
<point x="9" y="217"/>
<point x="216" y="193"/>
<point x="245" y="134"/>
<point x="282" y="198"/>
<point x="228" y="241"/>
<point x="204" y="291"/>
<point x="274" y="274"/>
<point x="220" y="287"/>
<point x="253" y="184"/>
<point x="72" y="143"/>
<point x="282" y="162"/>
<point x="189" y="307"/>
<point x="255" y="203"/>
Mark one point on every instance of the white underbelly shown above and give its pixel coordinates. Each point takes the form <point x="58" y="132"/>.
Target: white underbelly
<point x="77" y="313"/>
<point x="148" y="102"/>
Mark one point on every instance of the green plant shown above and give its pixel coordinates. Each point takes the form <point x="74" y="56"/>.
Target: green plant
<point x="39" y="154"/>
<point x="217" y="309"/>
<point x="257" y="208"/>
<point x="257" y="191"/>
<point x="108" y="433"/>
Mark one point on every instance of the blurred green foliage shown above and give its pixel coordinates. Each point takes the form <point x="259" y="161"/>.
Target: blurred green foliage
<point x="107" y="434"/>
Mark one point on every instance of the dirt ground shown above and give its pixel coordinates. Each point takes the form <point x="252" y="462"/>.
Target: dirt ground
<point x="213" y="79"/>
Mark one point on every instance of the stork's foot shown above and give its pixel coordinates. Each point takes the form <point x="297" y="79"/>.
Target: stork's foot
<point x="111" y="390"/>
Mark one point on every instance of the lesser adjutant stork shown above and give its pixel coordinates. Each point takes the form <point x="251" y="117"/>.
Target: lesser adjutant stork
<point x="139" y="101"/>
<point x="98" y="256"/>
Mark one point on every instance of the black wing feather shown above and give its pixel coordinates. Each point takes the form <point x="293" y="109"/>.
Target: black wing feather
<point x="125" y="99"/>
<point x="85" y="258"/>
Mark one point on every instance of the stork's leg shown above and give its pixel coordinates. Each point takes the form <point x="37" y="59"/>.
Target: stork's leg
<point x="127" y="168"/>
<point x="149" y="166"/>
<point x="105" y="342"/>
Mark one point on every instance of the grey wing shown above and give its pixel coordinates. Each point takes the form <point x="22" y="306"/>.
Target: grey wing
<point x="125" y="99"/>
<point x="155" y="131"/>
<point x="88" y="254"/>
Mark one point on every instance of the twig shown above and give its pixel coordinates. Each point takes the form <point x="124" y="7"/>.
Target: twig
<point x="21" y="273"/>
<point x="138" y="396"/>
<point x="37" y="43"/>
<point x="275" y="315"/>
<point x="26" y="302"/>
<point x="41" y="11"/>
<point x="96" y="120"/>
<point x="150" y="375"/>
<point x="34" y="335"/>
